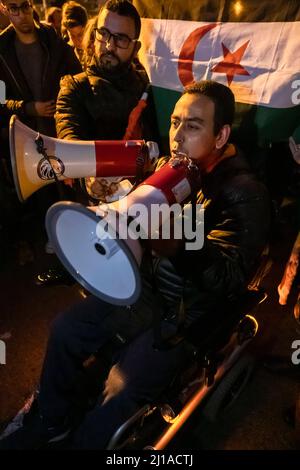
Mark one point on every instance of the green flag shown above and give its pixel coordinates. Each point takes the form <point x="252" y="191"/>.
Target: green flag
<point x="252" y="46"/>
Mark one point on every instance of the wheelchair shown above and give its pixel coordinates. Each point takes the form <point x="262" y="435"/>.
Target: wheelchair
<point x="218" y="372"/>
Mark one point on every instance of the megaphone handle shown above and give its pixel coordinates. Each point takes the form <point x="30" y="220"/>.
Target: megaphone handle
<point x="39" y="142"/>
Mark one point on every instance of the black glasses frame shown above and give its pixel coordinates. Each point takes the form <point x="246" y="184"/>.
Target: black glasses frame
<point x="117" y="37"/>
<point x="25" y="7"/>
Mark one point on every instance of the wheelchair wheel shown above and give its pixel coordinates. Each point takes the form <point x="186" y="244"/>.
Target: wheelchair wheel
<point x="229" y="388"/>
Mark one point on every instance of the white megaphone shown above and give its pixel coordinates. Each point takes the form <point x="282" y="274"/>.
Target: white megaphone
<point x="71" y="159"/>
<point x="91" y="248"/>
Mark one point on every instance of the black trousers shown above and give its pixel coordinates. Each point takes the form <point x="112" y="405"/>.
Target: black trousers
<point x="138" y="372"/>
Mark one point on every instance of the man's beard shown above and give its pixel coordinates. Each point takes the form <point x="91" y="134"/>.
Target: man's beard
<point x="109" y="62"/>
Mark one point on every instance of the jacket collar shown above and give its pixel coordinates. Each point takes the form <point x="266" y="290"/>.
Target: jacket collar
<point x="234" y="164"/>
<point x="7" y="36"/>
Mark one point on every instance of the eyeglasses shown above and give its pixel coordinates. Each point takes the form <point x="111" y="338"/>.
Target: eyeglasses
<point x="121" y="40"/>
<point x="25" y="8"/>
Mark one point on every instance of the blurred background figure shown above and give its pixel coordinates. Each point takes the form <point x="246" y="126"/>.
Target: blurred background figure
<point x="289" y="277"/>
<point x="88" y="41"/>
<point x="33" y="60"/>
<point x="74" y="20"/>
<point x="292" y="268"/>
<point x="4" y="21"/>
<point x="54" y="17"/>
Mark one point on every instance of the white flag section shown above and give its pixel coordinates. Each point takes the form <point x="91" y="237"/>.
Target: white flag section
<point x="259" y="61"/>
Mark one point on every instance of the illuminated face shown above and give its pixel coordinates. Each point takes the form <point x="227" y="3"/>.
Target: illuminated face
<point x="192" y="129"/>
<point x="76" y="35"/>
<point x="20" y="13"/>
<point x="114" y="40"/>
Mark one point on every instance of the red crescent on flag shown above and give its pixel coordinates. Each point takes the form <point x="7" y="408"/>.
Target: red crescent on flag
<point x="187" y="53"/>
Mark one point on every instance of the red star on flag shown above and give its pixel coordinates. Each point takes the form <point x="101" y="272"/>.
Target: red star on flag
<point x="231" y="63"/>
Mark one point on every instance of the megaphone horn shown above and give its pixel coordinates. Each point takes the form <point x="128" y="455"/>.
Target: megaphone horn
<point x="71" y="158"/>
<point x="95" y="254"/>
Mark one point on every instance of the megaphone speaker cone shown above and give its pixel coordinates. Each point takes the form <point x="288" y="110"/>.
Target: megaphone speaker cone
<point x="105" y="266"/>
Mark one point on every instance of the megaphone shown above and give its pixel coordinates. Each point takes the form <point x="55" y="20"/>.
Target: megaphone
<point x="71" y="159"/>
<point x="91" y="248"/>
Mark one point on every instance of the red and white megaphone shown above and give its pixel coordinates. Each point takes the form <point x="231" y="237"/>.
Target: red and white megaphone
<point x="91" y="248"/>
<point x="72" y="159"/>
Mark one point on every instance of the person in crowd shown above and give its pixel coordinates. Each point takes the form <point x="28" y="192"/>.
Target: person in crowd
<point x="33" y="60"/>
<point x="283" y="365"/>
<point x="185" y="293"/>
<point x="88" y="41"/>
<point x="96" y="104"/>
<point x="53" y="17"/>
<point x="4" y="21"/>
<point x="74" y="20"/>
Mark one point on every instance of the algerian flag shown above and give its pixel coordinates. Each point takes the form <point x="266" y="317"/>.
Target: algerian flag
<point x="253" y="46"/>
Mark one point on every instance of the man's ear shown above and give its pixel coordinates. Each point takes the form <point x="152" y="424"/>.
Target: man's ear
<point x="223" y="136"/>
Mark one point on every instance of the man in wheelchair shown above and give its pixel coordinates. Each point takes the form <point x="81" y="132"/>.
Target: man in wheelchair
<point x="185" y="294"/>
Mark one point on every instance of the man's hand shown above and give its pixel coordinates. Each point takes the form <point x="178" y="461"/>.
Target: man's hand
<point x="295" y="149"/>
<point x="45" y="108"/>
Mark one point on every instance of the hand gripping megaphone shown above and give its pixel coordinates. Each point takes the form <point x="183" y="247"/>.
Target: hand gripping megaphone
<point x="91" y="248"/>
<point x="71" y="159"/>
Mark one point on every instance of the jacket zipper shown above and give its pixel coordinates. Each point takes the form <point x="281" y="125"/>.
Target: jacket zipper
<point x="46" y="64"/>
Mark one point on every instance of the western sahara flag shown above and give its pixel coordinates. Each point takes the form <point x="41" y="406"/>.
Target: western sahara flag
<point x="253" y="46"/>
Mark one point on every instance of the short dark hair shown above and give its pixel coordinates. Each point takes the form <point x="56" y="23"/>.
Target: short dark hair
<point x="221" y="96"/>
<point x="50" y="12"/>
<point x="73" y="14"/>
<point x="124" y="8"/>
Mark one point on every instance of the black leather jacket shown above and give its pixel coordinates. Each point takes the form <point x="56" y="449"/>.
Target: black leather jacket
<point x="95" y="105"/>
<point x="236" y="218"/>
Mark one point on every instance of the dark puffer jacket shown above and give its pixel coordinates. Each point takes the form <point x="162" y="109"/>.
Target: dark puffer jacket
<point x="236" y="226"/>
<point x="95" y="105"/>
<point x="59" y="61"/>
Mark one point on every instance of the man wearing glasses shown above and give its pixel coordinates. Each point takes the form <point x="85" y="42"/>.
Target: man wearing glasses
<point x="32" y="61"/>
<point x="96" y="104"/>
